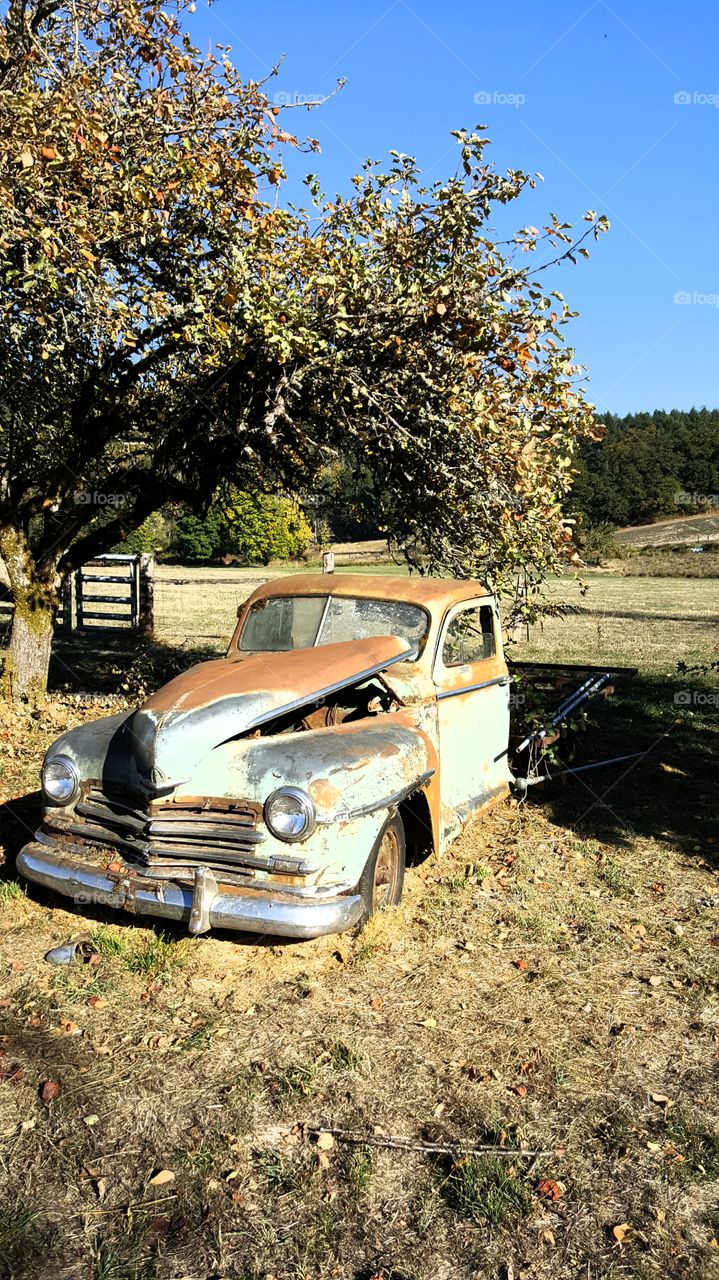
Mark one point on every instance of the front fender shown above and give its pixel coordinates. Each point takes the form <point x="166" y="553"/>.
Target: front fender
<point x="99" y="750"/>
<point x="355" y="773"/>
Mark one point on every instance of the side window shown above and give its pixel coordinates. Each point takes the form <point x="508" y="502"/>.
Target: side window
<point x="470" y="636"/>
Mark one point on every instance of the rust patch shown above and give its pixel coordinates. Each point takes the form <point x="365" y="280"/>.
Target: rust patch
<point x="324" y="794"/>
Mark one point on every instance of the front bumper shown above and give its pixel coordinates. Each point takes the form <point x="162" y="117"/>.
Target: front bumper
<point x="202" y="905"/>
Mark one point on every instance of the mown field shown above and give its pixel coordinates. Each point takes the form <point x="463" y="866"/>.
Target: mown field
<point x="699" y="529"/>
<point x="548" y="991"/>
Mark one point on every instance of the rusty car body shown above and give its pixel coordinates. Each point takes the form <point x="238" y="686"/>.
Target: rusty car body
<point x="277" y="789"/>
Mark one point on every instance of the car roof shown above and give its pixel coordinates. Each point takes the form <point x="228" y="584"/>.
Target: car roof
<point x="434" y="593"/>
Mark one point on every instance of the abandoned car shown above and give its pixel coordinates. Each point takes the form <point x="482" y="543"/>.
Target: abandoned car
<point x="279" y="789"/>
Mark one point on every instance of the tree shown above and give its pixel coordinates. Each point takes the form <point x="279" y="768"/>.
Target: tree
<point x="169" y="327"/>
<point x="648" y="466"/>
<point x="131" y="228"/>
<point x="196" y="540"/>
<point x="260" y="527"/>
<point x="255" y="527"/>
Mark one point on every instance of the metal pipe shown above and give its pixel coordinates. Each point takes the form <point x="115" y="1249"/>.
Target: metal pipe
<point x="588" y="690"/>
<point x="523" y="783"/>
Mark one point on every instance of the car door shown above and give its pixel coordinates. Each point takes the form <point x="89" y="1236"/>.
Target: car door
<point x="472" y="686"/>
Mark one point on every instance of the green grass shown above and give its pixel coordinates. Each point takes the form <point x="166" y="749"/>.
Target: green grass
<point x="152" y="955"/>
<point x="486" y="1189"/>
<point x="614" y="876"/>
<point x="11" y="891"/>
<point x="697" y="1143"/>
<point x="157" y="956"/>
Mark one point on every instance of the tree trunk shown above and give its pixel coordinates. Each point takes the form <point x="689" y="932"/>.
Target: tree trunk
<point x="35" y="594"/>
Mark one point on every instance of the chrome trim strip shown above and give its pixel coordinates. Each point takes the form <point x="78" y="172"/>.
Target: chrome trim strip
<point x="470" y="688"/>
<point x="277" y="916"/>
<point x="386" y="803"/>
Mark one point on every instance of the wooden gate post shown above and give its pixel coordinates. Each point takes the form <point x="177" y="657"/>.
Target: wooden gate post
<point x="147" y="595"/>
<point x="328" y="561"/>
<point x="66" y="596"/>
<point x="79" y="604"/>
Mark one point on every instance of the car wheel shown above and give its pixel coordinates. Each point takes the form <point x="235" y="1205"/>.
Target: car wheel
<point x="382" y="879"/>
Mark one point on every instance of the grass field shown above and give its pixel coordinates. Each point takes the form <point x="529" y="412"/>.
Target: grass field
<point x="653" y="622"/>
<point x="550" y="986"/>
<point x="689" y="530"/>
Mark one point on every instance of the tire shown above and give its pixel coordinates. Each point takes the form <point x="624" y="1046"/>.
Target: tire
<point x="383" y="877"/>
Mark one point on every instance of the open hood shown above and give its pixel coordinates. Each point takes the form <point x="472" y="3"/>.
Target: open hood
<point x="222" y="699"/>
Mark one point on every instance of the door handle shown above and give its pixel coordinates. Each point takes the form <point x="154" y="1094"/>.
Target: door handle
<point x="504" y="681"/>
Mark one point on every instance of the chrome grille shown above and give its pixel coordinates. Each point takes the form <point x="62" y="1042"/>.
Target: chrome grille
<point x="217" y="833"/>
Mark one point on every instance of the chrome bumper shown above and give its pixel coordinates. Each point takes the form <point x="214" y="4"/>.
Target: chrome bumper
<point x="202" y="905"/>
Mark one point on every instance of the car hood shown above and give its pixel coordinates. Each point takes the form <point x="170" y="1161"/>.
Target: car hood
<point x="222" y="699"/>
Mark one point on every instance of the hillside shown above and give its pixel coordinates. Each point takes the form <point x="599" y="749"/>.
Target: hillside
<point x="690" y="531"/>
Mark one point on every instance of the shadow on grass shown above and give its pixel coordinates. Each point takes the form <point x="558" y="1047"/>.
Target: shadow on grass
<point x="671" y="791"/>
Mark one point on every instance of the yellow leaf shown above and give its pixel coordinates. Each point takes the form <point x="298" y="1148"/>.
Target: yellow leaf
<point x="26" y="159"/>
<point x="162" y="1178"/>
<point x="621" y="1231"/>
<point x="325" y="1142"/>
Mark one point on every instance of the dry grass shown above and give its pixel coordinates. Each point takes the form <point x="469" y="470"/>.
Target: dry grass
<point x="652" y="623"/>
<point x="551" y="984"/>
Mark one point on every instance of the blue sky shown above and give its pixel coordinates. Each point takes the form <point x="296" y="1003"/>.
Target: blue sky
<point x="586" y="95"/>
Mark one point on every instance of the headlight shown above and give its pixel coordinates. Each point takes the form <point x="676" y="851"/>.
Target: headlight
<point x="290" y="814"/>
<point x="60" y="779"/>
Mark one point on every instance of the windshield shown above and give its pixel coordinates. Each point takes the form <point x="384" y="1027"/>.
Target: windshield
<point x="280" y="623"/>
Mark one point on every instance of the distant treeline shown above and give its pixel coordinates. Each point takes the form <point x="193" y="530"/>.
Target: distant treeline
<point x="648" y="466"/>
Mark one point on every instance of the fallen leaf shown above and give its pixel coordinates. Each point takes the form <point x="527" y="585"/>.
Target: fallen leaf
<point x="520" y="1090"/>
<point x="323" y="1160"/>
<point x="621" y="1231"/>
<point x="97" y="1002"/>
<point x="325" y="1142"/>
<point x="431" y="1023"/>
<point x="655" y="981"/>
<point x="549" y="1188"/>
<point x="69" y="1027"/>
<point x="91" y="1121"/>
<point x="376" y="1002"/>
<point x="520" y="964"/>
<point x="661" y="1099"/>
<point x="50" y="1091"/>
<point x="162" y="1178"/>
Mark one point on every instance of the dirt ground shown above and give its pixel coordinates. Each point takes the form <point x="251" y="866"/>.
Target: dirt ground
<point x="548" y="990"/>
